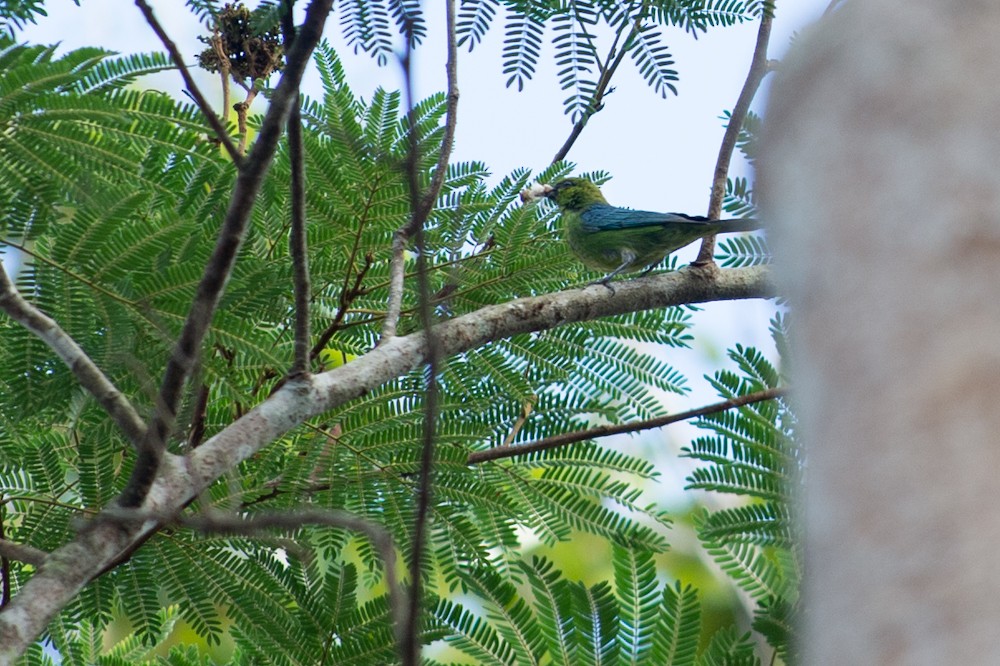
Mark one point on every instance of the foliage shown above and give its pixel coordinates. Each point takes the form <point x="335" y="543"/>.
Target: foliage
<point x="15" y="14"/>
<point x="110" y="200"/>
<point x="639" y="28"/>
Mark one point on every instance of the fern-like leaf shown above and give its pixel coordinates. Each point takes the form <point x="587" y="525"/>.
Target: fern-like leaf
<point x="675" y="641"/>
<point x="729" y="648"/>
<point x="474" y="19"/>
<point x="653" y="59"/>
<point x="367" y="27"/>
<point x="638" y="598"/>
<point x="522" y="47"/>
<point x="577" y="58"/>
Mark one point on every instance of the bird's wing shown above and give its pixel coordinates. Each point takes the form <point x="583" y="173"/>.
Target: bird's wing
<point x="603" y="217"/>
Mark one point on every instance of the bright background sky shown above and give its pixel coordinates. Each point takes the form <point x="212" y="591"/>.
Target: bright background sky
<point x="661" y="153"/>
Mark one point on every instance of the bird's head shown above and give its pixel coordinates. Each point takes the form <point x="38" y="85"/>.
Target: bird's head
<point x="568" y="193"/>
<point x="574" y="193"/>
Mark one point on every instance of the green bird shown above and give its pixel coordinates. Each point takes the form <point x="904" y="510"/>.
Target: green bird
<point x="621" y="240"/>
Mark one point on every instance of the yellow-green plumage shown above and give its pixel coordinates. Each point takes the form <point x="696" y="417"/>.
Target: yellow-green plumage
<point x="617" y="240"/>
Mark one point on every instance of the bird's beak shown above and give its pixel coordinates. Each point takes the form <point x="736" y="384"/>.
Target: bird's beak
<point x="536" y="191"/>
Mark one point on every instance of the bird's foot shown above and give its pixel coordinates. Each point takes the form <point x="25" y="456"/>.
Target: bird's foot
<point x="605" y="281"/>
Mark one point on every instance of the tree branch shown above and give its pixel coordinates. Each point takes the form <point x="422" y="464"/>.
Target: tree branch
<point x="758" y="70"/>
<point x="220" y="130"/>
<point x="426" y="202"/>
<point x="596" y="101"/>
<point x="181" y="479"/>
<point x="422" y="207"/>
<point x="83" y="368"/>
<point x="297" y="235"/>
<point x="511" y="450"/>
<point x="220" y="265"/>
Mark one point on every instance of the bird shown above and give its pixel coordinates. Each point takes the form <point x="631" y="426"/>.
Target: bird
<point x="618" y="240"/>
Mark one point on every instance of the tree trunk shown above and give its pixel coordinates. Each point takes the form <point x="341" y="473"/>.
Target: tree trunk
<point x="882" y="190"/>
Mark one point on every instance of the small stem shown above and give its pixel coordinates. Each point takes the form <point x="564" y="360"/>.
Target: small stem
<point x="347" y="296"/>
<point x="565" y="439"/>
<point x="225" y="69"/>
<point x="423" y="205"/>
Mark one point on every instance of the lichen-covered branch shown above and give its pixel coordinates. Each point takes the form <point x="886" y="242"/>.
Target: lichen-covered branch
<point x="180" y="479"/>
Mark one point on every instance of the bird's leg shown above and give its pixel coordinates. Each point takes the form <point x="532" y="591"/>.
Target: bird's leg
<point x="627" y="258"/>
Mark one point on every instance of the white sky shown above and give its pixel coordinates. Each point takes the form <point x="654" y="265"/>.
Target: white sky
<point x="661" y="153"/>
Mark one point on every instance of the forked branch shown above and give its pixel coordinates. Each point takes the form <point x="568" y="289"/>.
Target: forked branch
<point x="220" y="265"/>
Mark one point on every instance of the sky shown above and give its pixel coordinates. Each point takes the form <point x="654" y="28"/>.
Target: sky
<point x="661" y="152"/>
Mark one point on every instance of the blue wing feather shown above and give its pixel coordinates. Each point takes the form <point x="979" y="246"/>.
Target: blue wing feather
<point x="604" y="217"/>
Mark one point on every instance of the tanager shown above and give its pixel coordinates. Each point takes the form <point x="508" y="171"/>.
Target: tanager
<point x="621" y="240"/>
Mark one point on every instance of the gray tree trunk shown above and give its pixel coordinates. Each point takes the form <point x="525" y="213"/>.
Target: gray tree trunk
<point x="882" y="188"/>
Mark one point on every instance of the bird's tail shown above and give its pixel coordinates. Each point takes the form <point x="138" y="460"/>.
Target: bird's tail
<point x="737" y="224"/>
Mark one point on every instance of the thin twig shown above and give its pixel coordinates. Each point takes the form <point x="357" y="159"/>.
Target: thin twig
<point x="526" y="410"/>
<point x="220" y="265"/>
<point x="297" y="236"/>
<point x="422" y="206"/>
<point x="758" y="70"/>
<point x="564" y="439"/>
<point x="198" y="413"/>
<point x="425" y="203"/>
<point x="378" y="535"/>
<point x="83" y="368"/>
<point x="347" y="296"/>
<point x="206" y="109"/>
<point x="225" y="69"/>
<point x="611" y="63"/>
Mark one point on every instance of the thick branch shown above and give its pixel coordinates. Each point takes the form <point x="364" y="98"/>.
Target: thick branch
<point x="511" y="450"/>
<point x="83" y="368"/>
<point x="199" y="99"/>
<point x="758" y="70"/>
<point x="181" y="479"/>
<point x="220" y="265"/>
